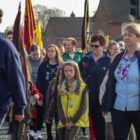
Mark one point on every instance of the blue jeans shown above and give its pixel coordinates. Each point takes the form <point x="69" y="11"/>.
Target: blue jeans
<point x="1" y="121"/>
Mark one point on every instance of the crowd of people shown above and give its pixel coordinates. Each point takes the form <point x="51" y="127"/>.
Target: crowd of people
<point x="98" y="91"/>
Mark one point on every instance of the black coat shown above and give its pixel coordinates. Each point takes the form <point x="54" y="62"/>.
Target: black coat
<point x="45" y="75"/>
<point x="93" y="74"/>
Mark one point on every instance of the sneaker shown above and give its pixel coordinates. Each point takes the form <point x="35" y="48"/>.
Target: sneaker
<point x="43" y="125"/>
<point x="32" y="135"/>
<point x="85" y="136"/>
<point x="38" y="135"/>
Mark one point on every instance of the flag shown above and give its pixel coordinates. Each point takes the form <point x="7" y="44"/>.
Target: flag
<point x="17" y="40"/>
<point x="38" y="34"/>
<point x="84" y="27"/>
<point x="22" y="33"/>
<point x="107" y="38"/>
<point x="29" y="25"/>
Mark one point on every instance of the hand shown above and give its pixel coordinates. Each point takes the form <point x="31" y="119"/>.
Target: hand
<point x="67" y="126"/>
<point x="40" y="103"/>
<point x="104" y="114"/>
<point x="47" y="120"/>
<point x="71" y="124"/>
<point x="12" y="104"/>
<point x="36" y="97"/>
<point x="19" y="118"/>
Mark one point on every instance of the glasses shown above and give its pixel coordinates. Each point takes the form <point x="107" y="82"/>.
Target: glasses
<point x="96" y="46"/>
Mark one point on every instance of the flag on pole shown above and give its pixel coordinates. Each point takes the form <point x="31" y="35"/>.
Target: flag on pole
<point x="29" y="25"/>
<point x="17" y="40"/>
<point x="84" y="27"/>
<point x="38" y="34"/>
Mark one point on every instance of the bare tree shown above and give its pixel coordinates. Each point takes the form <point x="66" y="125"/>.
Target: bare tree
<point x="45" y="14"/>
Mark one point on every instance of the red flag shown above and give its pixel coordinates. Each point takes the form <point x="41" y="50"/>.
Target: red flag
<point x="22" y="34"/>
<point x="17" y="40"/>
<point x="29" y="25"/>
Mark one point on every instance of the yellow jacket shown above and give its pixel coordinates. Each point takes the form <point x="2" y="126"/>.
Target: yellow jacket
<point x="70" y="107"/>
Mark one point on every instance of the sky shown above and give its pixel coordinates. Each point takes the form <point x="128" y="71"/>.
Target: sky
<point x="10" y="8"/>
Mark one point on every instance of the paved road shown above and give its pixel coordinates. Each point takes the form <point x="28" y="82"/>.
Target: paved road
<point x="5" y="136"/>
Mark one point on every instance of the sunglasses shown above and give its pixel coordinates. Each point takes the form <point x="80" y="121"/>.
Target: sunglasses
<point x="96" y="46"/>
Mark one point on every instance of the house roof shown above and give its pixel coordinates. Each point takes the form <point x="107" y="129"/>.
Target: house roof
<point x="66" y="26"/>
<point x="117" y="10"/>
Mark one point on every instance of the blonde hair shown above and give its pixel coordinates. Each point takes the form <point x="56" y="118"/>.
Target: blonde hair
<point x="73" y="40"/>
<point x="133" y="28"/>
<point x="77" y="74"/>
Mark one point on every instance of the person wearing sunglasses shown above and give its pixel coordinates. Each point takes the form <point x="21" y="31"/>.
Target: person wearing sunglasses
<point x="93" y="68"/>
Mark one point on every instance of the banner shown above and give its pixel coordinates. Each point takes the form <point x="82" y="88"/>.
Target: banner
<point x="84" y="27"/>
<point x="29" y="25"/>
<point x="38" y="34"/>
<point x="17" y="40"/>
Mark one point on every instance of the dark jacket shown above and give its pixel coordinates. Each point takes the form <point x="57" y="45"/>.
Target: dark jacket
<point x="110" y="94"/>
<point x="46" y="73"/>
<point x="49" y="95"/>
<point x="12" y="82"/>
<point x="51" y="105"/>
<point x="93" y="73"/>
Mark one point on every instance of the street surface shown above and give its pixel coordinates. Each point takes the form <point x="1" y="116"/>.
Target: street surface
<point x="5" y="136"/>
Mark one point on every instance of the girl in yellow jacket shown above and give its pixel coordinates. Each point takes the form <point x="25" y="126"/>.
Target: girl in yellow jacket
<point x="72" y="102"/>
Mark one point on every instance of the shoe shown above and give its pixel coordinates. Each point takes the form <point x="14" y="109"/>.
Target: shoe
<point x="85" y="136"/>
<point x="43" y="125"/>
<point x="32" y="135"/>
<point x="38" y="135"/>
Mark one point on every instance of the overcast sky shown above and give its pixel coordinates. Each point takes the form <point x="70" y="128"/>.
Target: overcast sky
<point x="10" y="8"/>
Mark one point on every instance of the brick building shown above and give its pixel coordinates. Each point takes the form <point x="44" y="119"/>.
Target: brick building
<point x="111" y="17"/>
<point x="59" y="28"/>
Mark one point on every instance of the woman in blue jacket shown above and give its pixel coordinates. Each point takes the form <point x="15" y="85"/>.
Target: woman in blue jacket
<point x="122" y="96"/>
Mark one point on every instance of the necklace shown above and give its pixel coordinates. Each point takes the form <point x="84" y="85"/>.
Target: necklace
<point x="71" y="89"/>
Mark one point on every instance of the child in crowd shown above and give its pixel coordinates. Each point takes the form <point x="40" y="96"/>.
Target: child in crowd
<point x="72" y="102"/>
<point x="37" y="98"/>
